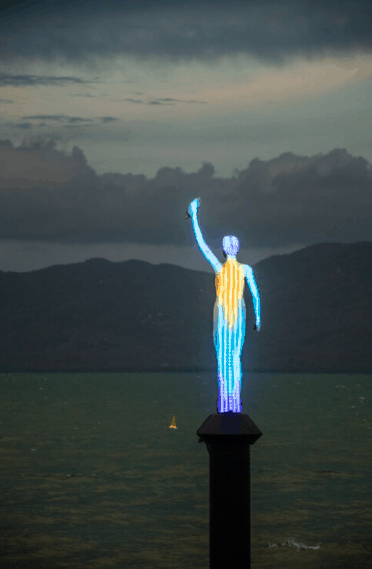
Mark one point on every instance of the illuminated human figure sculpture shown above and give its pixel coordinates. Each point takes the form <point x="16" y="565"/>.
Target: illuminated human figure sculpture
<point x="228" y="314"/>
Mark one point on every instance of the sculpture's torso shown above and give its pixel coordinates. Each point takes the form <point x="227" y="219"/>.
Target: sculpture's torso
<point x="229" y="288"/>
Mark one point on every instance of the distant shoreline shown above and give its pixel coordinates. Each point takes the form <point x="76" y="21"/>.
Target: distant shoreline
<point x="178" y="370"/>
<point x="133" y="317"/>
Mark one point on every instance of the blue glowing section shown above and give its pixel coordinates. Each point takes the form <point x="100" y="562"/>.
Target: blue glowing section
<point x="230" y="245"/>
<point x="229" y="315"/>
<point x="254" y="291"/>
<point x="211" y="257"/>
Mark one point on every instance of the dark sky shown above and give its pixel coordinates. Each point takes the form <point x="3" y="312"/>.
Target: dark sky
<point x="115" y="115"/>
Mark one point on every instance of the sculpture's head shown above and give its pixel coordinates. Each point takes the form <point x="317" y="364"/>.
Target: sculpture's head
<point x="230" y="245"/>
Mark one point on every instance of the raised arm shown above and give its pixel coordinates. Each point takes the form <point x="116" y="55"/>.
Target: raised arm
<point x="211" y="258"/>
<point x="255" y="295"/>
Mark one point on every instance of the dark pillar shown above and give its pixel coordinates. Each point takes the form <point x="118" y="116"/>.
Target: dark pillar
<point x="228" y="436"/>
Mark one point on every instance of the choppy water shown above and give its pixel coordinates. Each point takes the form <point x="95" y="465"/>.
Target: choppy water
<point x="92" y="475"/>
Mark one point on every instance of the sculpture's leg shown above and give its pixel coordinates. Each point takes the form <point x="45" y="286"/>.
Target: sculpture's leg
<point x="222" y="391"/>
<point x="237" y="345"/>
<point x="231" y="361"/>
<point x="237" y="383"/>
<point x="228" y="361"/>
<point x="217" y="346"/>
<point x="228" y="344"/>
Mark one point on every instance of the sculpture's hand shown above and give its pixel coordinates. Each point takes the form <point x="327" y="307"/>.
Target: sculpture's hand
<point x="193" y="208"/>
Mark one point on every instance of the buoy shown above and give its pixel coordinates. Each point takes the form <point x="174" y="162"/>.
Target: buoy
<point x="173" y="424"/>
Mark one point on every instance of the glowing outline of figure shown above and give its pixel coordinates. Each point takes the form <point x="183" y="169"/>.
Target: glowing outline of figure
<point x="229" y="314"/>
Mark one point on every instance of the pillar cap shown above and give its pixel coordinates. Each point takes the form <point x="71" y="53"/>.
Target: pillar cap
<point x="237" y="427"/>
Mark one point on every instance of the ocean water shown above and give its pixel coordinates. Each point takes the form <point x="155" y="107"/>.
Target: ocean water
<point x="92" y="475"/>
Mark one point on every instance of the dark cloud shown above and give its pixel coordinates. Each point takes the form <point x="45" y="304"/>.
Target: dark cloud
<point x="166" y="101"/>
<point x="199" y="30"/>
<point x="49" y="195"/>
<point x="7" y="79"/>
<point x="58" y="120"/>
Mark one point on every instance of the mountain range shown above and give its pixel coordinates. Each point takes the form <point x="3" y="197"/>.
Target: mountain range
<point x="98" y="315"/>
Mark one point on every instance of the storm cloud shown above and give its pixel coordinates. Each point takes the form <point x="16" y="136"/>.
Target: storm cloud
<point x="174" y="30"/>
<point x="49" y="195"/>
<point x="115" y="115"/>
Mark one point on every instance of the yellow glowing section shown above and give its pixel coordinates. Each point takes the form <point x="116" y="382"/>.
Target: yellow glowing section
<point x="229" y="288"/>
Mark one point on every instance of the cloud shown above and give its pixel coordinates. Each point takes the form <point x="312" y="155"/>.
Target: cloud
<point x="167" y="101"/>
<point x="25" y="80"/>
<point x="48" y="195"/>
<point x="15" y="80"/>
<point x="81" y="32"/>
